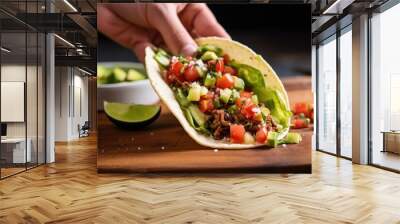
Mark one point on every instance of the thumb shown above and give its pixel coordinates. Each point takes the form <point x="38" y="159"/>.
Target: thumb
<point x="175" y="35"/>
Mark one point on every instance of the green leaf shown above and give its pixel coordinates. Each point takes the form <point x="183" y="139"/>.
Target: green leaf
<point x="181" y="98"/>
<point x="162" y="57"/>
<point x="291" y="138"/>
<point x="270" y="97"/>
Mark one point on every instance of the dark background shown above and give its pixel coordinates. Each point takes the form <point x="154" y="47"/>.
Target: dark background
<point x="280" y="33"/>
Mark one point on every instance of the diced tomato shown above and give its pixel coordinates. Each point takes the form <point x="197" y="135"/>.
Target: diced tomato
<point x="191" y="74"/>
<point x="176" y="67"/>
<point x="208" y="96"/>
<point x="219" y="67"/>
<point x="245" y="94"/>
<point x="301" y="108"/>
<point x="170" y="78"/>
<point x="249" y="110"/>
<point x="261" y="135"/>
<point x="174" y="71"/>
<point x="300" y="123"/>
<point x="241" y="101"/>
<point x="206" y="105"/>
<point x="226" y="81"/>
<point x="237" y="133"/>
<point x="230" y="70"/>
<point x="226" y="59"/>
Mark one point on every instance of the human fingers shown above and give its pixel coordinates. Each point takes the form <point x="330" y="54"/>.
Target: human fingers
<point x="164" y="17"/>
<point x="123" y="32"/>
<point x="201" y="22"/>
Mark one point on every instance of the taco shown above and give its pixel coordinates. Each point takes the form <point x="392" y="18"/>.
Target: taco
<point x="226" y="96"/>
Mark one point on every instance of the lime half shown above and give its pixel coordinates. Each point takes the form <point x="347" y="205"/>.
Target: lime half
<point x="131" y="116"/>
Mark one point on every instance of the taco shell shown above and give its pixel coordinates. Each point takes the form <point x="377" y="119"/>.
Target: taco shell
<point x="237" y="52"/>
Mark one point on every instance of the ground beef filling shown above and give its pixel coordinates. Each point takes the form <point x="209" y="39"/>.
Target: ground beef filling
<point x="220" y="121"/>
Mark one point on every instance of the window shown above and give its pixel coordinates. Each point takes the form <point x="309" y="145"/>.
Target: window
<point x="385" y="88"/>
<point x="346" y="92"/>
<point x="334" y="137"/>
<point x="327" y="96"/>
<point x="22" y="77"/>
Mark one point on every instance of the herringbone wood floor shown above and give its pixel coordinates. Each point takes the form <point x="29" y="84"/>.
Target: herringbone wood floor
<point x="70" y="191"/>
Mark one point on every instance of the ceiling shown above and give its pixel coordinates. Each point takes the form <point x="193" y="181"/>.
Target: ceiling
<point x="75" y="21"/>
<point x="72" y="20"/>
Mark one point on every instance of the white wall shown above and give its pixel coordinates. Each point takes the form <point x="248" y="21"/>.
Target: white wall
<point x="62" y="80"/>
<point x="33" y="126"/>
<point x="70" y="83"/>
<point x="17" y="73"/>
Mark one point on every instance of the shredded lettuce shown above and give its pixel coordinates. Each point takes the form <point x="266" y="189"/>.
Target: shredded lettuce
<point x="271" y="98"/>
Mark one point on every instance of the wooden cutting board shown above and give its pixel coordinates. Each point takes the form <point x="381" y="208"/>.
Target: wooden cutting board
<point x="165" y="147"/>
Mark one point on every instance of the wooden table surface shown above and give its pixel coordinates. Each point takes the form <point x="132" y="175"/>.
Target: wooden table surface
<point x="165" y="147"/>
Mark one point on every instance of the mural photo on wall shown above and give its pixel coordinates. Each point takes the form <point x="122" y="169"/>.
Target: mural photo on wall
<point x="204" y="89"/>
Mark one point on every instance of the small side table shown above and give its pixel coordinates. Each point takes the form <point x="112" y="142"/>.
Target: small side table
<point x="391" y="141"/>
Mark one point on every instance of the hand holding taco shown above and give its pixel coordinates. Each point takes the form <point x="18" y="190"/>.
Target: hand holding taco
<point x="224" y="96"/>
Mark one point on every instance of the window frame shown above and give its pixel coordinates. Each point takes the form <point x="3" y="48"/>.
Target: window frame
<point x="29" y="29"/>
<point x="334" y="37"/>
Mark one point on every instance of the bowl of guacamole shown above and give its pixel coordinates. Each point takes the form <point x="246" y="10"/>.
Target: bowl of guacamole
<point x="124" y="82"/>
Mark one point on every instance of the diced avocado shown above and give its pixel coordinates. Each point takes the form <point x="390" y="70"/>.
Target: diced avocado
<point x="265" y="111"/>
<point x="225" y="94"/>
<point x="162" y="52"/>
<point x="134" y="75"/>
<point x="254" y="99"/>
<point x="162" y="58"/>
<point x="119" y="74"/>
<point x="194" y="93"/>
<point x="291" y="138"/>
<point x="203" y="91"/>
<point x="248" y="138"/>
<point x="235" y="94"/>
<point x="104" y="77"/>
<point x="208" y="47"/>
<point x="101" y="81"/>
<point x="238" y="83"/>
<point x="103" y="72"/>
<point x="272" y="139"/>
<point x="209" y="81"/>
<point x="198" y="116"/>
<point x="181" y="98"/>
<point x="200" y="71"/>
<point x="232" y="109"/>
<point x="209" y="55"/>
<point x="217" y="104"/>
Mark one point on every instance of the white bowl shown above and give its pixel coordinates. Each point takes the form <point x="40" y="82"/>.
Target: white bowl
<point x="136" y="92"/>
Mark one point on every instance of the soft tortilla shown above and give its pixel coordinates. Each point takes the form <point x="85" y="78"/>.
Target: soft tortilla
<point x="236" y="51"/>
